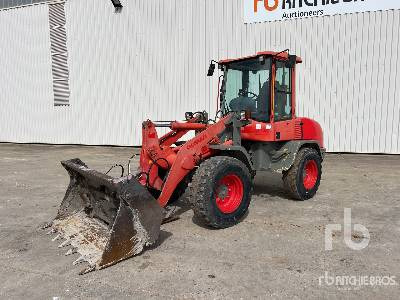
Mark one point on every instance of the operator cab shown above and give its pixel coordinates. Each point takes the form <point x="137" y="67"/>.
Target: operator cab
<point x="246" y="87"/>
<point x="259" y="83"/>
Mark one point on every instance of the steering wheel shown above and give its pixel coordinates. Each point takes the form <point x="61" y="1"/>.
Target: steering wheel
<point x="245" y="93"/>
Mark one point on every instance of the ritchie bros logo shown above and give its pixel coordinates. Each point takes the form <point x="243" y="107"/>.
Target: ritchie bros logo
<point x="267" y="5"/>
<point x="273" y="5"/>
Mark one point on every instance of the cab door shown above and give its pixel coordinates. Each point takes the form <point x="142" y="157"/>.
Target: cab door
<point x="283" y="110"/>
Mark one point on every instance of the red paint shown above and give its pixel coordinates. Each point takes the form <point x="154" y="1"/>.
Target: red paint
<point x="285" y="130"/>
<point x="258" y="131"/>
<point x="229" y="193"/>
<point x="312" y="131"/>
<point x="310" y="174"/>
<point x="293" y="129"/>
<point x="281" y="56"/>
<point x="159" y="154"/>
<point x="187" y="126"/>
<point x="307" y="129"/>
<point x="181" y="160"/>
<point x="196" y="141"/>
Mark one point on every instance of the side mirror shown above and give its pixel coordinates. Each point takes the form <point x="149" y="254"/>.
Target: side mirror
<point x="291" y="62"/>
<point x="211" y="70"/>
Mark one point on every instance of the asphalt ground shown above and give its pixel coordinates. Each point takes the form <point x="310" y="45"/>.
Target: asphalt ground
<point x="276" y="251"/>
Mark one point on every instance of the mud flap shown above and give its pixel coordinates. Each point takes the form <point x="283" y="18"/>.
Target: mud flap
<point x="105" y="219"/>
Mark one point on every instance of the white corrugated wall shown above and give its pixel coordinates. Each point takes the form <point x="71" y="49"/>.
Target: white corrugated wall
<point x="150" y="61"/>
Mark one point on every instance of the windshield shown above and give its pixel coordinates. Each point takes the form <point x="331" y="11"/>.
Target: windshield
<point x="246" y="87"/>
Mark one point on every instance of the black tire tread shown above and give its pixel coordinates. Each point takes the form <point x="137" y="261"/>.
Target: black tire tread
<point x="200" y="180"/>
<point x="289" y="178"/>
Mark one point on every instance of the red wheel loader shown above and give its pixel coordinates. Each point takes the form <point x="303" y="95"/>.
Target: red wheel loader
<point x="108" y="219"/>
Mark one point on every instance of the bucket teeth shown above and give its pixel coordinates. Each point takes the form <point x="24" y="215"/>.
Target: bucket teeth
<point x="58" y="236"/>
<point x="79" y="260"/>
<point x="71" y="251"/>
<point x="65" y="243"/>
<point x="47" y="225"/>
<point x="51" y="231"/>
<point x="104" y="219"/>
<point x="87" y="270"/>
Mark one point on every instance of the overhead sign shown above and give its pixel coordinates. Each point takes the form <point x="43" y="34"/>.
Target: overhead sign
<point x="278" y="10"/>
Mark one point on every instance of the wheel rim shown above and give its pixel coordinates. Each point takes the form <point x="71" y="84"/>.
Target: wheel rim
<point x="229" y="193"/>
<point x="310" y="174"/>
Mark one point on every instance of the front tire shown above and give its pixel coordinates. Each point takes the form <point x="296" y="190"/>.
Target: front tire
<point x="220" y="191"/>
<point x="303" y="178"/>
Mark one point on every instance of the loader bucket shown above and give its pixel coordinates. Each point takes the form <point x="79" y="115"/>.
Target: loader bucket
<point x="105" y="219"/>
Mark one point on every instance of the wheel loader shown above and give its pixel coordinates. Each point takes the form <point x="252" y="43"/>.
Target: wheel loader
<point x="107" y="219"/>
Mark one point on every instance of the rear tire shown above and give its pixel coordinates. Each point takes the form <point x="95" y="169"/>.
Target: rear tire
<point x="220" y="191"/>
<point x="303" y="178"/>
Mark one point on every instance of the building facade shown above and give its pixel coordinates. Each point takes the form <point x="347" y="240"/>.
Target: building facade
<point x="77" y="72"/>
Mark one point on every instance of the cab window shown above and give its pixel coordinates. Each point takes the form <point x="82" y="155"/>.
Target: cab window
<point x="283" y="92"/>
<point x="246" y="87"/>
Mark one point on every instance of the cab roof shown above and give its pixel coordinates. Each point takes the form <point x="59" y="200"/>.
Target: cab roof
<point x="279" y="55"/>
